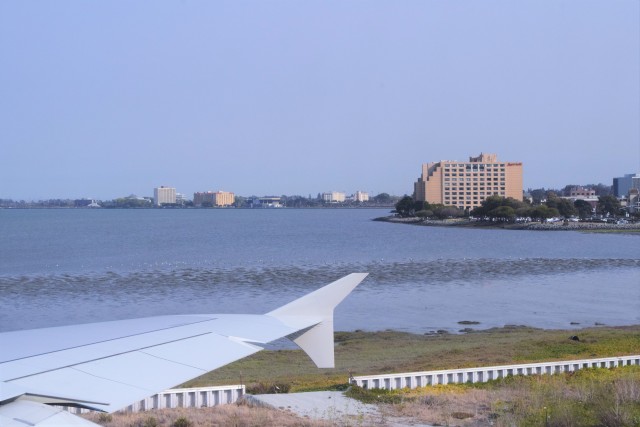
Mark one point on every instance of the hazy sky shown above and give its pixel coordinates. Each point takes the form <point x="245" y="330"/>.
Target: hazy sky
<point x="105" y="99"/>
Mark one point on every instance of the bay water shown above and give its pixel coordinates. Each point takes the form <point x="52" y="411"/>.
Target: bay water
<point x="65" y="266"/>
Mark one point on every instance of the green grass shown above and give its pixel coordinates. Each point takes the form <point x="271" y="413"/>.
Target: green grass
<point x="613" y="231"/>
<point x="588" y="397"/>
<point x="369" y="353"/>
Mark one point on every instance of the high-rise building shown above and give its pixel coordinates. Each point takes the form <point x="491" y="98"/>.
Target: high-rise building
<point x="162" y="195"/>
<point x="214" y="198"/>
<point x="467" y="184"/>
<point x="622" y="185"/>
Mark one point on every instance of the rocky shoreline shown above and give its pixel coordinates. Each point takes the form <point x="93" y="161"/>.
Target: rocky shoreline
<point x="558" y="226"/>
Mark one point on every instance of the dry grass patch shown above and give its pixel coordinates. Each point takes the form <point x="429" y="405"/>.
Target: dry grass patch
<point x="590" y="397"/>
<point x="241" y="415"/>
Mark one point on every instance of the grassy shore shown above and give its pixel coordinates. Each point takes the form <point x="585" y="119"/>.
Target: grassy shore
<point x="594" y="397"/>
<point x="368" y="353"/>
<point x="614" y="231"/>
<point x="588" y="397"/>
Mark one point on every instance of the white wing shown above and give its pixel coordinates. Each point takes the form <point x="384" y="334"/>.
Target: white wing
<point x="107" y="366"/>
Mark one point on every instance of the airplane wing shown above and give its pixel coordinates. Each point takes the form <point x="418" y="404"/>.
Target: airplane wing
<point x="107" y="366"/>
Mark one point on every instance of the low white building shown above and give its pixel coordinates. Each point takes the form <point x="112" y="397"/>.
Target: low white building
<point x="266" y="202"/>
<point x="361" y="196"/>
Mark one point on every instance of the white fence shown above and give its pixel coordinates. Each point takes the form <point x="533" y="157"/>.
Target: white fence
<point x="477" y="375"/>
<point x="200" y="397"/>
<point x="213" y="396"/>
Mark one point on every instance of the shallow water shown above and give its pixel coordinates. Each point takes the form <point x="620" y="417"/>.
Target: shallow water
<point x="67" y="266"/>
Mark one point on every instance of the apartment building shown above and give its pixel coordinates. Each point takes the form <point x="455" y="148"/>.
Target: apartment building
<point x="214" y="198"/>
<point x="361" y="196"/>
<point x="162" y="195"/>
<point x="334" y="197"/>
<point x="581" y="192"/>
<point x="467" y="184"/>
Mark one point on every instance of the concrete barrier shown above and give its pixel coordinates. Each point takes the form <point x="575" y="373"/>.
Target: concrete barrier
<point x="200" y="397"/>
<point x="484" y="374"/>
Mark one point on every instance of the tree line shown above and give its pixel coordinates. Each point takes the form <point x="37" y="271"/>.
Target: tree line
<point x="507" y="209"/>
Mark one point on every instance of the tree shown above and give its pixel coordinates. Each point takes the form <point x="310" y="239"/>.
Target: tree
<point x="551" y="195"/>
<point x="608" y="205"/>
<point x="552" y="200"/>
<point x="513" y="203"/>
<point x="443" y="212"/>
<point x="524" y="212"/>
<point x="601" y="189"/>
<point x="487" y="205"/>
<point x="421" y="206"/>
<point x="492" y="203"/>
<point x="382" y="198"/>
<point x="565" y="208"/>
<point x="239" y="201"/>
<point x="543" y="212"/>
<point x="503" y="214"/>
<point x="583" y="208"/>
<point x="128" y="202"/>
<point x="537" y="195"/>
<point x="567" y="189"/>
<point x="424" y="214"/>
<point x="406" y="206"/>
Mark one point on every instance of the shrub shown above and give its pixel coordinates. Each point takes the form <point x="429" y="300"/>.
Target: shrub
<point x="105" y="418"/>
<point x="182" y="422"/>
<point x="268" y="388"/>
<point x="147" y="422"/>
<point x="374" y="395"/>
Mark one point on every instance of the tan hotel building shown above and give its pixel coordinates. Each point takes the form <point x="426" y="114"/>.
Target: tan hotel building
<point x="217" y="198"/>
<point x="467" y="184"/>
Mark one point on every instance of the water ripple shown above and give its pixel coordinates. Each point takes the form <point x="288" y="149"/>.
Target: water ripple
<point x="287" y="278"/>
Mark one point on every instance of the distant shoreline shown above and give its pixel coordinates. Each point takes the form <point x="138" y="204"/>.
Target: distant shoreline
<point x="189" y="208"/>
<point x="537" y="226"/>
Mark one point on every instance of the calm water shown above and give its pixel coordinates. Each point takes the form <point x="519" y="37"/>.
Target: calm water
<point x="68" y="266"/>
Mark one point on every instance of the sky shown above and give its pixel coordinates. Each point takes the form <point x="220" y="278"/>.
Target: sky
<point x="107" y="99"/>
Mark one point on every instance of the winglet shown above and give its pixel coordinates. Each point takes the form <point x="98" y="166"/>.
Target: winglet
<point x="317" y="341"/>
